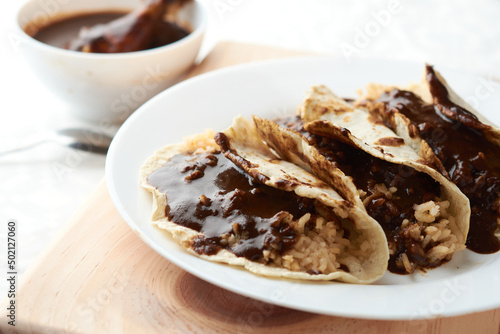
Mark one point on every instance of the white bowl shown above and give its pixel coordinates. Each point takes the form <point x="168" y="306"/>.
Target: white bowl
<point x="107" y="87"/>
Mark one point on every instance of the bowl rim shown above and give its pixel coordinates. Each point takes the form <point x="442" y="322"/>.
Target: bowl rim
<point x="192" y="36"/>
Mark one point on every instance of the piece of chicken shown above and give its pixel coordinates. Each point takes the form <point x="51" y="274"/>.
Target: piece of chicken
<point x="133" y="32"/>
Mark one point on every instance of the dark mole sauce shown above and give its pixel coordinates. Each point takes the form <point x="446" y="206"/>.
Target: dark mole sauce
<point x="412" y="188"/>
<point x="211" y="195"/>
<point x="61" y="33"/>
<point x="471" y="160"/>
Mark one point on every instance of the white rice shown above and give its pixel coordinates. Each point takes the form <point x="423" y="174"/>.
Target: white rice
<point x="319" y="247"/>
<point x="431" y="227"/>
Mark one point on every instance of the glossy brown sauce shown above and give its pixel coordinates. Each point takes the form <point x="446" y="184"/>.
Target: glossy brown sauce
<point x="63" y="33"/>
<point x="471" y="160"/>
<point x="209" y="194"/>
<point x="412" y="188"/>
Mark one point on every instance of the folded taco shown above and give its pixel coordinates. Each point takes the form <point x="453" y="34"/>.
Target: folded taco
<point x="231" y="200"/>
<point x="424" y="215"/>
<point x="466" y="143"/>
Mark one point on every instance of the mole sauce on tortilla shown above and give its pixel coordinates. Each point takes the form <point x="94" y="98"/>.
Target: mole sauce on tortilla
<point x="209" y="194"/>
<point x="471" y="160"/>
<point x="367" y="171"/>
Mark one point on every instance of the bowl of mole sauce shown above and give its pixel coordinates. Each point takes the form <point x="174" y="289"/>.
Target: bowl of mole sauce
<point x="105" y="58"/>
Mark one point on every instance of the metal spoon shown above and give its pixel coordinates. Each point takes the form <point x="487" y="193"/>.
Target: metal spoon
<point x="81" y="139"/>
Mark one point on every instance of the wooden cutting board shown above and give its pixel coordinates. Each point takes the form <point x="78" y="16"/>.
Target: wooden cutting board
<point x="97" y="276"/>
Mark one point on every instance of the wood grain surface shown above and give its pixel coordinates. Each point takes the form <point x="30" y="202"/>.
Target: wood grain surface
<point x="97" y="276"/>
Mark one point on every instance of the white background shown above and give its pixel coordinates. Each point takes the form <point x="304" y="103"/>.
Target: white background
<point x="41" y="188"/>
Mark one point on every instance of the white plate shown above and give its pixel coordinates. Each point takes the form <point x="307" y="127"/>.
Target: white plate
<point x="469" y="283"/>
